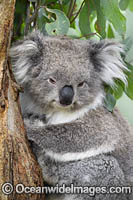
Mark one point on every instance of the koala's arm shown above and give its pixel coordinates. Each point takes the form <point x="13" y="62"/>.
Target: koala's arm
<point x="80" y="135"/>
<point x="100" y="171"/>
<point x="98" y="129"/>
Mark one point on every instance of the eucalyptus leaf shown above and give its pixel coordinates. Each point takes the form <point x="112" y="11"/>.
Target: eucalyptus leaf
<point x="65" y="1"/>
<point x="123" y="4"/>
<point x="130" y="5"/>
<point x="41" y="20"/>
<point x="110" y="102"/>
<point x="112" y="12"/>
<point x="41" y="12"/>
<point x="110" y="33"/>
<point x="60" y="26"/>
<point x="73" y="33"/>
<point x="41" y="25"/>
<point x="128" y="42"/>
<point x="101" y="19"/>
<point x="50" y="1"/>
<point x="118" y="92"/>
<point x="129" y="89"/>
<point x="20" y="8"/>
<point x="84" y="22"/>
<point x="85" y="15"/>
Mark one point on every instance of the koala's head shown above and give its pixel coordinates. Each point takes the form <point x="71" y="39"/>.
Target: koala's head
<point x="61" y="73"/>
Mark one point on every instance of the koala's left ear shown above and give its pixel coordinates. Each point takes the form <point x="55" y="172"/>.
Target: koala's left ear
<point x="106" y="58"/>
<point x="26" y="54"/>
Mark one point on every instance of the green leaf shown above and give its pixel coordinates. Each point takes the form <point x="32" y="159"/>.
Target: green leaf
<point x="20" y="18"/>
<point x="21" y="7"/>
<point x="50" y="1"/>
<point x="111" y="10"/>
<point x="85" y="18"/>
<point x="128" y="42"/>
<point x="64" y="2"/>
<point x="84" y="23"/>
<point x="110" y="33"/>
<point x="42" y="20"/>
<point x="101" y="20"/>
<point x="129" y="89"/>
<point x="123" y="4"/>
<point x="118" y="91"/>
<point x="110" y="102"/>
<point x="42" y="13"/>
<point x="73" y="33"/>
<point x="60" y="26"/>
<point x="130" y="5"/>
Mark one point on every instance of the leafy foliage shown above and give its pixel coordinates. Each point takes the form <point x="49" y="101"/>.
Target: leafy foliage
<point x="112" y="12"/>
<point x="81" y="19"/>
<point x="109" y="101"/>
<point x="60" y="26"/>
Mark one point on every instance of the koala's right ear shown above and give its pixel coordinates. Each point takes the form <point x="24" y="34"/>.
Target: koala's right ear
<point x="25" y="54"/>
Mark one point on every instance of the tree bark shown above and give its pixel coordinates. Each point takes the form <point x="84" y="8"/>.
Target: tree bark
<point x="17" y="163"/>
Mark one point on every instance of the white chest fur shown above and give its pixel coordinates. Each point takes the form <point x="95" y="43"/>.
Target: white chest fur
<point x="64" y="116"/>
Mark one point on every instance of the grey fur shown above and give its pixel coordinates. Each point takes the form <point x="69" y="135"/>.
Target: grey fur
<point x="93" y="147"/>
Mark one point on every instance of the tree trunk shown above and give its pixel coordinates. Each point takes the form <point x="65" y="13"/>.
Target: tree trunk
<point x="17" y="164"/>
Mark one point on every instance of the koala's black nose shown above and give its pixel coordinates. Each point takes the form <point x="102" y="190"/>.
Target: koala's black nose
<point x="66" y="95"/>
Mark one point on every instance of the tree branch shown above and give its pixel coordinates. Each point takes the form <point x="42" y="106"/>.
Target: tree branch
<point x="77" y="12"/>
<point x="17" y="163"/>
<point x="70" y="8"/>
<point x="33" y="18"/>
<point x="74" y="3"/>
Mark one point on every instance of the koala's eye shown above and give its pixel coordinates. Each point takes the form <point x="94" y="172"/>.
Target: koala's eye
<point x="51" y="80"/>
<point x="81" y="84"/>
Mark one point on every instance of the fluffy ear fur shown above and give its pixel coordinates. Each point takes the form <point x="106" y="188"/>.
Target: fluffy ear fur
<point x="106" y="58"/>
<point x="25" y="54"/>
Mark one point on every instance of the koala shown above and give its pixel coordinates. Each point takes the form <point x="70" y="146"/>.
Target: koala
<point x="75" y="139"/>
